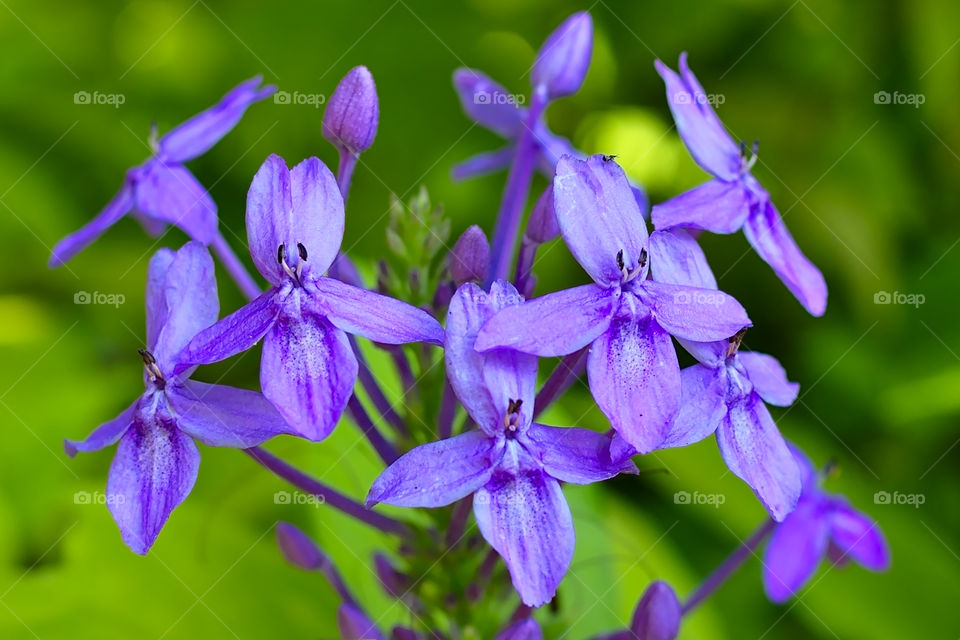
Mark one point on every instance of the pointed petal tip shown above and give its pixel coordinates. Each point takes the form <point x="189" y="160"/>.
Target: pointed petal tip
<point x="70" y="447"/>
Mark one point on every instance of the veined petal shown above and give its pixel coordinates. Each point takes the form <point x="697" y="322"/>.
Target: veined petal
<point x="483" y="163"/>
<point x="487" y="102"/>
<point x="571" y="454"/>
<point x="152" y="473"/>
<point x="676" y="258"/>
<point x="316" y="219"/>
<point x="795" y="551"/>
<point x="374" y="316"/>
<point x="269" y="203"/>
<point x="170" y="193"/>
<point x="858" y="537"/>
<point x="526" y="629"/>
<point x="599" y="217"/>
<point x="104" y="435"/>
<point x="755" y="452"/>
<point x="438" y="473"/>
<point x="195" y="136"/>
<point x="552" y="325"/>
<point x="772" y="242"/>
<point x="712" y="354"/>
<point x="717" y="206"/>
<point x="221" y="416"/>
<point x="768" y="378"/>
<point x="82" y="238"/>
<point x="527" y="520"/>
<point x="702" y="405"/>
<point x="635" y="379"/>
<point x="307" y="371"/>
<point x="156" y="298"/>
<point x="701" y="315"/>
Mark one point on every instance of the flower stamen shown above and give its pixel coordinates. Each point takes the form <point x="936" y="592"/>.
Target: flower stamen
<point x="150" y="364"/>
<point x="734" y="342"/>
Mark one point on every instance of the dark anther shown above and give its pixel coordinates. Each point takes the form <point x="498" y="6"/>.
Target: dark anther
<point x="642" y="262"/>
<point x="735" y="341"/>
<point x="620" y="260"/>
<point x="608" y="158"/>
<point x="280" y="254"/>
<point x="302" y="250"/>
<point x="150" y="364"/>
<point x="756" y="147"/>
<point x="147" y="356"/>
<point x="743" y="149"/>
<point x="514" y="406"/>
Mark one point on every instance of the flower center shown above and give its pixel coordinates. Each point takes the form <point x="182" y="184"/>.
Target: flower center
<point x="295" y="273"/>
<point x="150" y="364"/>
<point x="747" y="160"/>
<point x="629" y="273"/>
<point x="511" y="421"/>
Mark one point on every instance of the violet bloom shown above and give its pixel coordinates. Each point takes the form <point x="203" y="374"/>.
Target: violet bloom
<point x="632" y="366"/>
<point x="822" y="525"/>
<point x="512" y="465"/>
<point x="294" y="227"/>
<point x="733" y="199"/>
<point x="157" y="459"/>
<point x="162" y="190"/>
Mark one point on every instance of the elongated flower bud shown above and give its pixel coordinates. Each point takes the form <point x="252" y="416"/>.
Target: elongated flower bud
<point x="543" y="226"/>
<point x="299" y="549"/>
<point x="564" y="58"/>
<point x="350" y="120"/>
<point x="657" y="616"/>
<point x="470" y="257"/>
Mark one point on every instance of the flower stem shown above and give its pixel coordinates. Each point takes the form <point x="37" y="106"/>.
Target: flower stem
<point x="384" y="449"/>
<point x="524" y="274"/>
<point x="245" y="282"/>
<point x="348" y="161"/>
<point x="448" y="411"/>
<point x="515" y="192"/>
<point x="330" y="496"/>
<point x="734" y="561"/>
<point x="564" y="374"/>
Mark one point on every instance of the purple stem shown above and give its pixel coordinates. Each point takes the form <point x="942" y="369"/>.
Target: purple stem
<point x="348" y="161"/>
<point x="330" y="496"/>
<point x="377" y="397"/>
<point x="448" y="411"/>
<point x="566" y="372"/>
<point x="528" y="253"/>
<point x="515" y="192"/>
<point x="247" y="285"/>
<point x="729" y="566"/>
<point x="384" y="449"/>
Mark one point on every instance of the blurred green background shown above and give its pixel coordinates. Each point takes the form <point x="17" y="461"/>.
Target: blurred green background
<point x="868" y="189"/>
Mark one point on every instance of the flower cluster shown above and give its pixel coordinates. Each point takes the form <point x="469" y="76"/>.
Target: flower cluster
<point x="649" y="291"/>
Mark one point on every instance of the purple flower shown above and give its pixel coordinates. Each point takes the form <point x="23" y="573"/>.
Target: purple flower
<point x="294" y="227"/>
<point x="733" y="199"/>
<point x="627" y="318"/>
<point x="162" y="190"/>
<point x="726" y="391"/>
<point x="822" y="524"/>
<point x="512" y="465"/>
<point x="157" y="459"/>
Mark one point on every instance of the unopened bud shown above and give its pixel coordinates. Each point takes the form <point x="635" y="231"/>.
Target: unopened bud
<point x="564" y="58"/>
<point x="350" y="120"/>
<point x="470" y="257"/>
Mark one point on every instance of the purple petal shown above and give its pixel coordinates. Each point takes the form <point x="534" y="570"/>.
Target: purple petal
<point x="859" y="537"/>
<point x="552" y="148"/>
<point x="351" y="117"/>
<point x="552" y="325"/>
<point x="170" y="193"/>
<point x="470" y="257"/>
<point x="563" y="60"/>
<point x="768" y="378"/>
<point x="635" y="379"/>
<point x="598" y="216"/>
<point x="221" y="416"/>
<point x="156" y="298"/>
<point x="374" y="316"/>
<point x="702" y="405"/>
<point x="658" y="614"/>
<point x="716" y="206"/>
<point x="82" y="238"/>
<point x="316" y="218"/>
<point x="795" y="551"/>
<point x="355" y="625"/>
<point x="756" y="453"/>
<point x="488" y="103"/>
<point x="438" y="473"/>
<point x="712" y="354"/>
<point x="527" y="520"/>
<point x="571" y="454"/>
<point x="808" y="473"/>
<point x="699" y="127"/>
<point x="104" y="435"/>
<point x="195" y="136"/>
<point x="268" y="203"/>
<point x="772" y="241"/>
<point x="510" y="375"/>
<point x="483" y="164"/>
<point x="542" y="226"/>
<point x="676" y="258"/>
<point x="307" y="371"/>
<point x="526" y="629"/>
<point x="152" y="473"/>
<point x="701" y="315"/>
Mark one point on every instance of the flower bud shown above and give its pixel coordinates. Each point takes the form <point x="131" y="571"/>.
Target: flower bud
<point x="298" y="549"/>
<point x="350" y="120"/>
<point x="562" y="61"/>
<point x="657" y="616"/>
<point x="392" y="580"/>
<point x="470" y="257"/>
<point x="542" y="226"/>
<point x="355" y="625"/>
